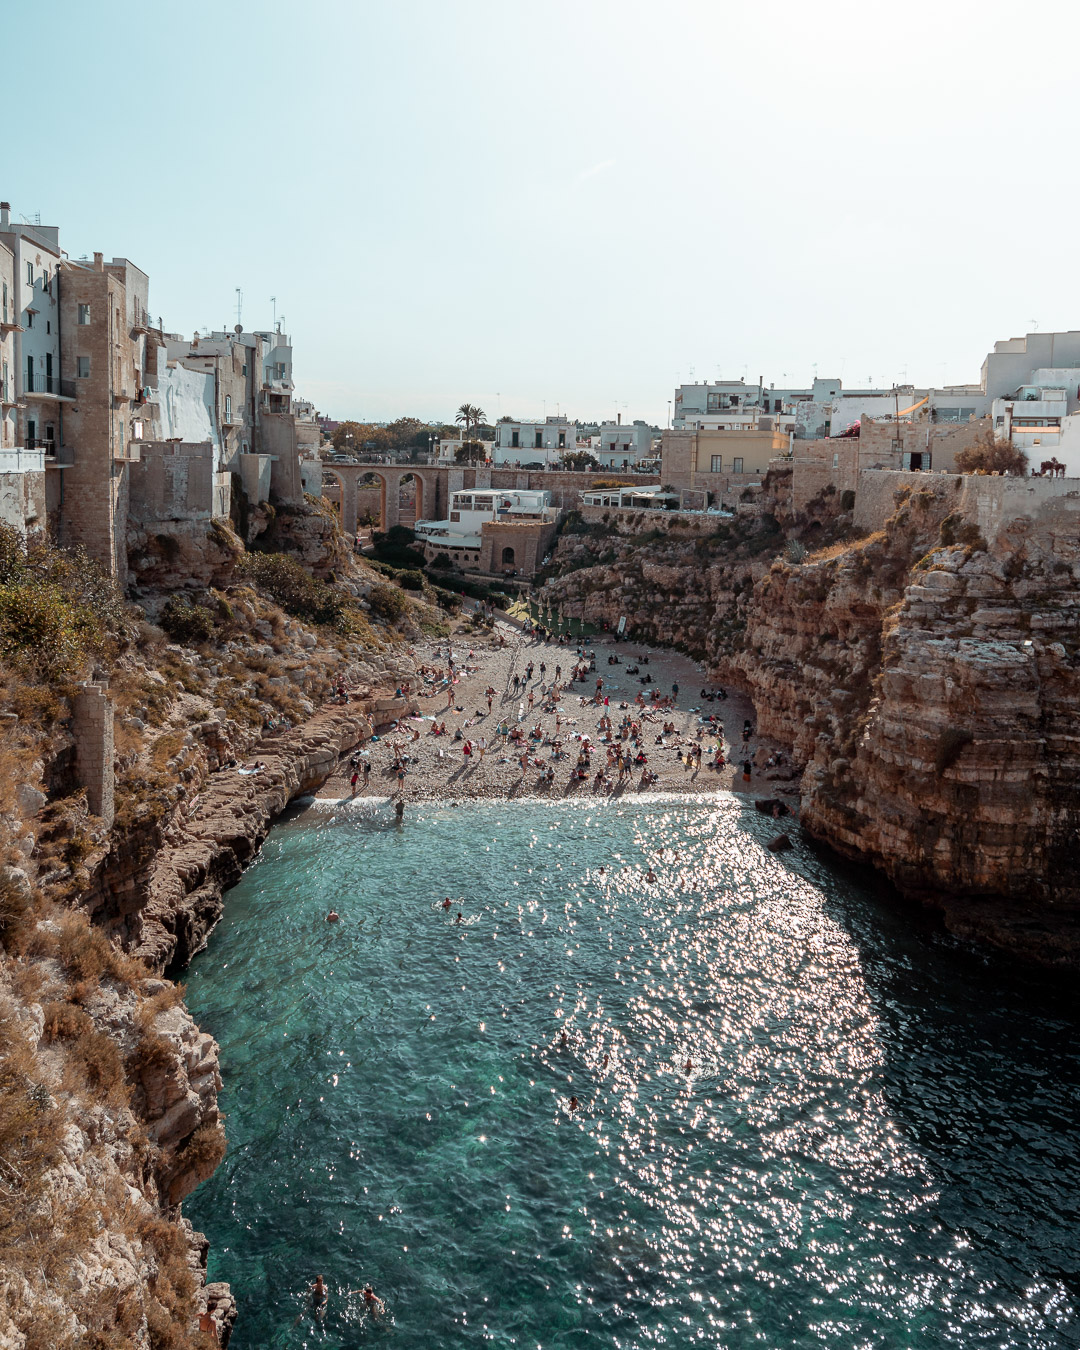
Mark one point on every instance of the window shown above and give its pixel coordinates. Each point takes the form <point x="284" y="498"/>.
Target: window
<point x="136" y="429"/>
<point x="5" y="319"/>
<point x="836" y="460"/>
<point x="243" y="369"/>
<point x="514" y="440"/>
<point x="29" y="273"/>
<point x="736" y="465"/>
<point x="228" y="407"/>
<point x="562" y="446"/>
<point x="539" y="442"/>
<point x="29" y="318"/>
<point x="717" y="464"/>
<point x="84" y="314"/>
<point x="83" y="367"/>
<point x="50" y="435"/>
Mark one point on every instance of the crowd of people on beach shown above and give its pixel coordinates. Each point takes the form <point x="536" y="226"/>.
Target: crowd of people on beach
<point x="543" y="734"/>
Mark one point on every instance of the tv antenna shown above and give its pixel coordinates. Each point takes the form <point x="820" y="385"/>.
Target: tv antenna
<point x="239" y="304"/>
<point x="273" y="301"/>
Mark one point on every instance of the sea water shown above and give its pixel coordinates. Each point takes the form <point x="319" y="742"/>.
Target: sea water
<point x="804" y="1116"/>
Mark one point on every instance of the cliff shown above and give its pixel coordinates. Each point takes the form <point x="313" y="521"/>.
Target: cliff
<point x="924" y="675"/>
<point x="108" y="1109"/>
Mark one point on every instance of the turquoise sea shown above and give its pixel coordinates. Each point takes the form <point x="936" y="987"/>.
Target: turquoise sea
<point x="874" y="1144"/>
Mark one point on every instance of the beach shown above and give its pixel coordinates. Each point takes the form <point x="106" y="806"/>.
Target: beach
<point x="436" y="767"/>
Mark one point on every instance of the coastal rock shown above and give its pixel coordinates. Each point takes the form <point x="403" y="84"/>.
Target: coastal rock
<point x="224" y="827"/>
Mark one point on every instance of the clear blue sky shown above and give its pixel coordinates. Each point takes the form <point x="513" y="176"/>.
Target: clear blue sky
<point x="565" y="202"/>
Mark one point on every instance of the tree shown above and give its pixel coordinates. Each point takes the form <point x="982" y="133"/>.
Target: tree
<point x="990" y="455"/>
<point x="469" y="415"/>
<point x="355" y="437"/>
<point x="469" y="452"/>
<point x="580" y="460"/>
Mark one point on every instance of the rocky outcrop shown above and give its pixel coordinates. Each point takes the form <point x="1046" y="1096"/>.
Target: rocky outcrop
<point x="929" y="682"/>
<point x="208" y="847"/>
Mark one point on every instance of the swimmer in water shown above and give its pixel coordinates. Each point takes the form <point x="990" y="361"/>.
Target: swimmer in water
<point x="650" y="875"/>
<point x="318" y="1296"/>
<point x="574" y="1103"/>
<point x="688" y="1067"/>
<point x="446" y="903"/>
<point x="333" y="916"/>
<point x="563" y="1040"/>
<point x="372" y="1302"/>
<point x="458" y="919"/>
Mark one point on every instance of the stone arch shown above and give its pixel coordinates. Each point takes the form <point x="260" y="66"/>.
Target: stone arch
<point x="508" y="557"/>
<point x="336" y="495"/>
<point x="408" y="494"/>
<point x="354" y="479"/>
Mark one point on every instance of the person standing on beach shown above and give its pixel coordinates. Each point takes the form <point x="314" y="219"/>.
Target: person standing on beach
<point x="481" y="746"/>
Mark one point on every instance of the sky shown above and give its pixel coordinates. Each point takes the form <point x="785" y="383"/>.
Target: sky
<point x="565" y="205"/>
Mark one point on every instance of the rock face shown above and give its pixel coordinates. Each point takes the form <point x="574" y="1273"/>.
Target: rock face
<point x="206" y="851"/>
<point x="926" y="678"/>
<point x="930" y="688"/>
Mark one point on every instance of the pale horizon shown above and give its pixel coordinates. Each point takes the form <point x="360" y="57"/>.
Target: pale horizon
<point x="572" y="209"/>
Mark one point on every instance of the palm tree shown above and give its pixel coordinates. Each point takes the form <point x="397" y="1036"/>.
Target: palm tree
<point x="470" y="415"/>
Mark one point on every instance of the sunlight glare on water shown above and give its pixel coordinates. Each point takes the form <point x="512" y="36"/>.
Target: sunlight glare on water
<point x="802" y="1119"/>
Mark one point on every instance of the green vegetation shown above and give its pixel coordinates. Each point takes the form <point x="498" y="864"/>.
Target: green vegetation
<point x="187" y="622"/>
<point x="395" y="547"/>
<point x="57" y="608"/>
<point x="295" y="589"/>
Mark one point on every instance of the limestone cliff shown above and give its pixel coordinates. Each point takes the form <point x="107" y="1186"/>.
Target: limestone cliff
<point x="926" y="677"/>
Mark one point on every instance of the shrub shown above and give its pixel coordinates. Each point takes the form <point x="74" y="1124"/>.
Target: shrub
<point x="394" y="546"/>
<point x="294" y="588"/>
<point x="185" y="621"/>
<point x="441" y="561"/>
<point x="990" y="455"/>
<point x="411" y="578"/>
<point x="387" y="602"/>
<point x="57" y="607"/>
<point x="795" y="550"/>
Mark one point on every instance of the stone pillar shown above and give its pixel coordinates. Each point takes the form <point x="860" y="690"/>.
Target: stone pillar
<point x="391" y="506"/>
<point x="92" y="727"/>
<point x="348" y="503"/>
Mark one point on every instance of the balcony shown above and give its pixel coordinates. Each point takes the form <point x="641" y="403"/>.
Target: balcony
<point x="48" y="386"/>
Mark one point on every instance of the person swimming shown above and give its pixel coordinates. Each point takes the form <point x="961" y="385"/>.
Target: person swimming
<point x="372" y="1302"/>
<point x="318" y="1296"/>
<point x="446" y="903"/>
<point x="333" y="916"/>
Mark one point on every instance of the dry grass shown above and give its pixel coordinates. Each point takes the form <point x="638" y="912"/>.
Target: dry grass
<point x="845" y="546"/>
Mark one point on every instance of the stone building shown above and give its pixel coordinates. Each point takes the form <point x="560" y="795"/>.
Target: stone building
<point x="104" y="321"/>
<point x="491" y="530"/>
<point x="718" y="461"/>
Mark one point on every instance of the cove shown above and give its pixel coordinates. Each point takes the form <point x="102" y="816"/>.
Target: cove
<point x="875" y="1144"/>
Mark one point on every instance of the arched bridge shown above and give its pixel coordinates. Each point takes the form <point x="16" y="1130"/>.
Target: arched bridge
<point x="407" y="492"/>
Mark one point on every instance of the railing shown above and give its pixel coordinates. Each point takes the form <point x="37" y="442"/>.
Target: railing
<point x="41" y="384"/>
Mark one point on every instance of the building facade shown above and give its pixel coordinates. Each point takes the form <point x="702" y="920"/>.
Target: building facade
<point x="492" y="530"/>
<point x="623" y="447"/>
<point x="534" y="444"/>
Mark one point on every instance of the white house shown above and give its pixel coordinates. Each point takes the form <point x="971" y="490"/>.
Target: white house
<point x="461" y="535"/>
<point x="623" y="447"/>
<point x="542" y="443"/>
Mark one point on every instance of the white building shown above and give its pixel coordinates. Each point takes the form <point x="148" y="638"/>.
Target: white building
<point x="460" y="536"/>
<point x="33" y="322"/>
<point x="623" y="447"/>
<point x="523" y="444"/>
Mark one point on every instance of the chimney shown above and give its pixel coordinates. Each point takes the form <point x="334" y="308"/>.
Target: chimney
<point x="618" y="419"/>
<point x="99" y="262"/>
<point x="5" y="215"/>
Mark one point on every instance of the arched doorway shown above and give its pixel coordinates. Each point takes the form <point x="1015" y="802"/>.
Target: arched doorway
<point x="370" y="501"/>
<point x="333" y="491"/>
<point x="408" y="500"/>
<point x="508" y="557"/>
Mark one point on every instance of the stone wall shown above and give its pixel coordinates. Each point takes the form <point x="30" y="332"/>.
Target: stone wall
<point x="92" y="730"/>
<point x="876" y="493"/>
<point x="174" y="480"/>
<point x="995" y="503"/>
<point x="22" y="490"/>
<point x="637" y="522"/>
